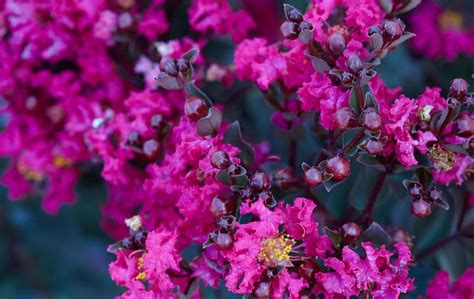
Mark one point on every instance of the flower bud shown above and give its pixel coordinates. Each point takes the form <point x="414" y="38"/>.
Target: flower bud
<point x="420" y="208"/>
<point x="293" y="14"/>
<point x="337" y="43"/>
<point x="463" y="126"/>
<point x="157" y="121"/>
<point x="260" y="182"/>
<point x="151" y="148"/>
<point x="350" y="232"/>
<point x="183" y="65"/>
<point x="221" y="207"/>
<point x="339" y="167"/>
<point x="355" y="64"/>
<point x="305" y="26"/>
<point x="347" y="78"/>
<point x="313" y="176"/>
<point x="134" y="140"/>
<point x="263" y="290"/>
<point x="415" y="190"/>
<point x="371" y="119"/>
<point x="289" y="30"/>
<point x="223" y="240"/>
<point x="374" y="147"/>
<point x="220" y="160"/>
<point x="285" y="178"/>
<point x="345" y="118"/>
<point x="435" y="194"/>
<point x="169" y="66"/>
<point x="459" y="88"/>
<point x="139" y="238"/>
<point x="195" y="108"/>
<point x="226" y="222"/>
<point x="268" y="199"/>
<point x="393" y="30"/>
<point x="375" y="29"/>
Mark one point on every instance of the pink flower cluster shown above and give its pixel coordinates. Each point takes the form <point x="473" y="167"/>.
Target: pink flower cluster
<point x="90" y="83"/>
<point x="440" y="32"/>
<point x="462" y="288"/>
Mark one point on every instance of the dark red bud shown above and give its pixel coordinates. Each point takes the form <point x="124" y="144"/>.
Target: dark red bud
<point x="226" y="222"/>
<point x="195" y="108"/>
<point x="169" y="66"/>
<point x="263" y="290"/>
<point x="415" y="190"/>
<point x="157" y="121"/>
<point x="183" y="65"/>
<point x="134" y="140"/>
<point x="285" y="178"/>
<point x="151" y="148"/>
<point x="459" y="88"/>
<point x="220" y="160"/>
<point x="293" y="14"/>
<point x="355" y="64"/>
<point x="223" y="240"/>
<point x="139" y="238"/>
<point x="374" y="147"/>
<point x="268" y="199"/>
<point x="289" y="30"/>
<point x="371" y="119"/>
<point x="435" y="194"/>
<point x="463" y="126"/>
<point x="347" y="78"/>
<point x="128" y="243"/>
<point x="345" y="118"/>
<point x="393" y="30"/>
<point x="305" y="26"/>
<point x="313" y="176"/>
<point x="260" y="182"/>
<point x="420" y="208"/>
<point x="350" y="232"/>
<point x="339" y="167"/>
<point x="337" y="43"/>
<point x="222" y="207"/>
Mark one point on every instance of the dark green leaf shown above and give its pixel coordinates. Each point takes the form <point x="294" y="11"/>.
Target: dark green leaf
<point x="387" y="5"/>
<point x="369" y="160"/>
<point x="306" y="36"/>
<point x="331" y="184"/>
<point x="442" y="204"/>
<point x="233" y="136"/>
<point x="209" y="124"/>
<point x="191" y="55"/>
<point x="376" y="234"/>
<point x="334" y="236"/>
<point x="411" y="5"/>
<point x="320" y="65"/>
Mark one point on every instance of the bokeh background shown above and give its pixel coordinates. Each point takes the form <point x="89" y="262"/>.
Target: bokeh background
<point x="64" y="256"/>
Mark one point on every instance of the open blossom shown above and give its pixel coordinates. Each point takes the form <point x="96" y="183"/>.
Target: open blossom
<point x="440" y="286"/>
<point x="453" y="35"/>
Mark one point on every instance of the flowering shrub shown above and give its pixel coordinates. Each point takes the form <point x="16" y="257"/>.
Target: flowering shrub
<point x="192" y="203"/>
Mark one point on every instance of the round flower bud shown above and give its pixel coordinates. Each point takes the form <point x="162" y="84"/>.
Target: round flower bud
<point x="415" y="190"/>
<point x="393" y="30"/>
<point x="463" y="126"/>
<point x="371" y="119"/>
<point x="313" y="176"/>
<point x="195" y="108"/>
<point x="293" y="14"/>
<point x="337" y="43"/>
<point x="350" y="232"/>
<point x="183" y="65"/>
<point x="345" y="118"/>
<point x="169" y="66"/>
<point x="221" y="207"/>
<point x="263" y="290"/>
<point x="420" y="208"/>
<point x="220" y="160"/>
<point x="139" y="238"/>
<point x="459" y="88"/>
<point x="375" y="29"/>
<point x="285" y="178"/>
<point x="128" y="243"/>
<point x="305" y="26"/>
<point x="157" y="121"/>
<point x="339" y="167"/>
<point x="260" y="182"/>
<point x="374" y="147"/>
<point x="226" y="222"/>
<point x="151" y="148"/>
<point x="355" y="64"/>
<point x="435" y="194"/>
<point x="347" y="78"/>
<point x="289" y="30"/>
<point x="268" y="199"/>
<point x="223" y="240"/>
<point x="134" y="140"/>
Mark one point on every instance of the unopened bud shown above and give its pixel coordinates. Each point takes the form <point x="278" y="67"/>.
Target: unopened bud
<point x="337" y="43"/>
<point x="339" y="167"/>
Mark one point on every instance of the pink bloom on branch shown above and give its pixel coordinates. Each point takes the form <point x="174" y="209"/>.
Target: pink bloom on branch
<point x="463" y="287"/>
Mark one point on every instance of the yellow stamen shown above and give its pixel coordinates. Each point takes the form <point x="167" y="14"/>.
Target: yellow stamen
<point x="141" y="275"/>
<point x="451" y="19"/>
<point x="276" y="251"/>
<point x="61" y="161"/>
<point x="29" y="173"/>
<point x="443" y="159"/>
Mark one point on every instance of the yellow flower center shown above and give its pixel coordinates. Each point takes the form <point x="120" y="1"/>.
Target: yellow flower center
<point x="451" y="19"/>
<point x="443" y="160"/>
<point x="61" y="161"/>
<point x="276" y="251"/>
<point x="29" y="173"/>
<point x="141" y="275"/>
